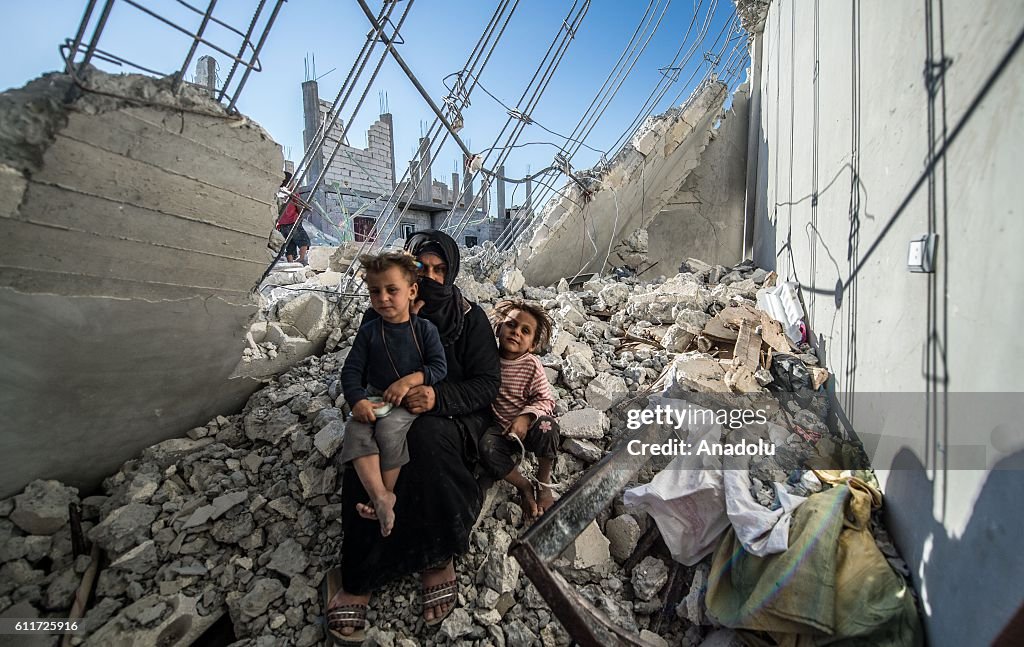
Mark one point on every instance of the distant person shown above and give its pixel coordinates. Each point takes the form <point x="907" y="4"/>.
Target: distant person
<point x="389" y="356"/>
<point x="523" y="407"/>
<point x="298" y="245"/>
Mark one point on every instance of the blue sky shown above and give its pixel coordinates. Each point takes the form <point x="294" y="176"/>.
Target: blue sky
<point x="439" y="34"/>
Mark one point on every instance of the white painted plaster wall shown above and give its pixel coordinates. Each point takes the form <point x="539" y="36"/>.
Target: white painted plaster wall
<point x="843" y="183"/>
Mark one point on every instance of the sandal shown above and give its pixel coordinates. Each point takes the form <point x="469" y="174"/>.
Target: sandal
<point x="440" y="594"/>
<point x="346" y="615"/>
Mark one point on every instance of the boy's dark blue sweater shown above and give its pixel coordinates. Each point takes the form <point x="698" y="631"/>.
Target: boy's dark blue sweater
<point x="368" y="362"/>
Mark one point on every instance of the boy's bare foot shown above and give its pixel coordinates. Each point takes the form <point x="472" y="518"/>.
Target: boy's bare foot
<point x="366" y="511"/>
<point x="528" y="503"/>
<point x="545" y="499"/>
<point x="384" y="508"/>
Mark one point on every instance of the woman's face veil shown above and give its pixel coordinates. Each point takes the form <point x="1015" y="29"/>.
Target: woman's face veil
<point x="443" y="304"/>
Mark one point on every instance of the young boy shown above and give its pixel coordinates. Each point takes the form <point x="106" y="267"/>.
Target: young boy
<point x="524" y="405"/>
<point x="389" y="356"/>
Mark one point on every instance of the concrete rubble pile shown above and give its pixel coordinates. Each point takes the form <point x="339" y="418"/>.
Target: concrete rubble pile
<point x="241" y="516"/>
<point x="299" y="307"/>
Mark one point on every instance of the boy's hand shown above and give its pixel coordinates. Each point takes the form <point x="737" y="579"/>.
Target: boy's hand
<point x="363" y="411"/>
<point x="396" y="392"/>
<point x="520" y="426"/>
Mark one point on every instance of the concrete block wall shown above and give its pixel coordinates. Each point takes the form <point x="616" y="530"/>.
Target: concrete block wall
<point x="440" y="192"/>
<point x="363" y="169"/>
<point x="880" y="122"/>
<point x="484" y="229"/>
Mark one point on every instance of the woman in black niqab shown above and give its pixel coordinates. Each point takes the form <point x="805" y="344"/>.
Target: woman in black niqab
<point x="438" y="498"/>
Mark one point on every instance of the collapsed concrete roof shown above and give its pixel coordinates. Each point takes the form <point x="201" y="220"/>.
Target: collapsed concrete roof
<point x="135" y="222"/>
<point x="680" y="179"/>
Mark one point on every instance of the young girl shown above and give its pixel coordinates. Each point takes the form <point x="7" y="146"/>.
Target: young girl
<point x="389" y="356"/>
<point x="523" y="407"/>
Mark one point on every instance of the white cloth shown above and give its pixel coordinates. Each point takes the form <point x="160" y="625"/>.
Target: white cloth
<point x="695" y="498"/>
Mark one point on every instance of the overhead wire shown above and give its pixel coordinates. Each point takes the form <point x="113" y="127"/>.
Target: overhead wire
<point x="545" y="69"/>
<point x="405" y="190"/>
<point x="625" y="63"/>
<point x="481" y="54"/>
<point x="316" y="145"/>
<point x="733" y="22"/>
<point x="526" y="104"/>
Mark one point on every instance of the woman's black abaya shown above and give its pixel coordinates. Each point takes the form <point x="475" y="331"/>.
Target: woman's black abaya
<point x="438" y="498"/>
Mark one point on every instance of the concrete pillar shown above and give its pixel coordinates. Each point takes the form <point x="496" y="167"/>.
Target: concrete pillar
<point x="426" y="176"/>
<point x="311" y="123"/>
<point x="386" y="118"/>
<point x="206" y="74"/>
<point x="529" y="195"/>
<point x="501" y="192"/>
<point x="467" y="187"/>
<point x="456" y="196"/>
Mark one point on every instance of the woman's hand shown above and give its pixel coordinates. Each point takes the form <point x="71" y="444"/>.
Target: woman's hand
<point x="362" y="411"/>
<point x="420" y="399"/>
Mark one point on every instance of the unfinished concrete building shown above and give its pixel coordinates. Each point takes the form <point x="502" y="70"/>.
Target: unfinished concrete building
<point x="863" y="172"/>
<point x="357" y="182"/>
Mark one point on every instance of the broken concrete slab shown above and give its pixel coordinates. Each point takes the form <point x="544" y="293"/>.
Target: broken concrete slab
<point x="584" y="423"/>
<point x="675" y="143"/>
<point x="124" y="528"/>
<point x="307" y="314"/>
<point x="42" y="509"/>
<point x="605" y="391"/>
<point x="329" y="439"/>
<point x="623" y="533"/>
<point x="589" y="549"/>
<point x="319" y="257"/>
<point x="90" y="290"/>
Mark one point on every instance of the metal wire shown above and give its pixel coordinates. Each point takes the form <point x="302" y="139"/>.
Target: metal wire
<point x="545" y="70"/>
<point x="732" y="62"/>
<point x="603" y="96"/>
<point x="404" y="190"/>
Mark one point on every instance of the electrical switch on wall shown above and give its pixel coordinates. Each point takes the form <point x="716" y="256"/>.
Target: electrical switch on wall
<point x="921" y="254"/>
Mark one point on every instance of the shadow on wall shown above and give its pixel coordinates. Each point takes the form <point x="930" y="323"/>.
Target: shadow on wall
<point x="949" y="566"/>
<point x="765" y="226"/>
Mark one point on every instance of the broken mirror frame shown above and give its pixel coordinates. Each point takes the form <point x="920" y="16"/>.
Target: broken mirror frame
<point x="562" y="523"/>
<point x="537" y="549"/>
<point x="558" y="528"/>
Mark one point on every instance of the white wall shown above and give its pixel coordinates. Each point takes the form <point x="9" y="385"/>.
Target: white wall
<point x="847" y="130"/>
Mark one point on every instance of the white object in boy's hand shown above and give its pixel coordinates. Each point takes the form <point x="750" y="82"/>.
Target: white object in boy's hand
<point x="380" y="408"/>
